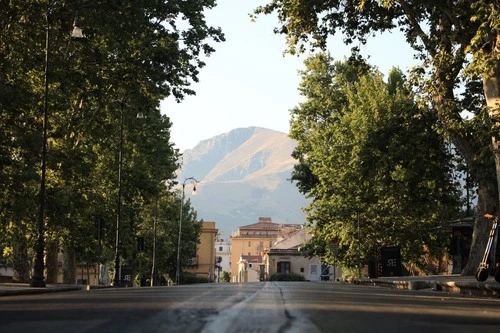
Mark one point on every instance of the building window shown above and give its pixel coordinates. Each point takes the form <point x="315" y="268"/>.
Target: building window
<point x="313" y="269"/>
<point x="302" y="269"/>
<point x="261" y="244"/>
<point x="284" y="267"/>
<point x="220" y="248"/>
<point x="249" y="244"/>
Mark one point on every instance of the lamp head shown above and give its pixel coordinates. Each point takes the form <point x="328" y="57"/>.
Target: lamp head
<point x="77" y="32"/>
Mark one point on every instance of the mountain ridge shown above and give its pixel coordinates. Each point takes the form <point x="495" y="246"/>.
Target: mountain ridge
<point x="244" y="174"/>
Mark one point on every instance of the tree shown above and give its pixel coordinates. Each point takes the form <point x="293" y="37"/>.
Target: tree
<point x="451" y="38"/>
<point x="167" y="231"/>
<point x="376" y="158"/>
<point x="132" y="56"/>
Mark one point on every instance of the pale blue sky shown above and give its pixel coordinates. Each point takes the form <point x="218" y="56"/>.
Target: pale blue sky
<point x="249" y="82"/>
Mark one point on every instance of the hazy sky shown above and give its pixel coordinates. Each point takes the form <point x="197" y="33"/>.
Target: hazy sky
<point x="249" y="82"/>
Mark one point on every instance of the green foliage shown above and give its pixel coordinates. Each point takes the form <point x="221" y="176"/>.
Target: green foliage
<point x="167" y="231"/>
<point x="225" y="277"/>
<point x="133" y="55"/>
<point x="456" y="42"/>
<point x="383" y="174"/>
<point x="350" y="273"/>
<point x="286" y="277"/>
<point x="190" y="278"/>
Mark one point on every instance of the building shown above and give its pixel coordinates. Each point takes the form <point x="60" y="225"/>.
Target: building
<point x="223" y="251"/>
<point x="250" y="241"/>
<point x="285" y="257"/>
<point x="203" y="263"/>
<point x="250" y="269"/>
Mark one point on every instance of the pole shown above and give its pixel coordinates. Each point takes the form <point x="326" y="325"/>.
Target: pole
<point x="117" y="276"/>
<point x="155" y="216"/>
<point x="177" y="273"/>
<point x="154" y="248"/>
<point x="359" y="251"/>
<point x="37" y="280"/>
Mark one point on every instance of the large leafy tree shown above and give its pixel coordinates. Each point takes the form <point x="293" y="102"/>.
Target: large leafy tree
<point x="132" y="55"/>
<point x="373" y="157"/>
<point x="163" y="238"/>
<point x="450" y="38"/>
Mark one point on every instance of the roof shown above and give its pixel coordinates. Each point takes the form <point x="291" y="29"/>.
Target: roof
<point x="463" y="223"/>
<point x="252" y="258"/>
<point x="293" y="241"/>
<point x="261" y="226"/>
<point x="288" y="252"/>
<point x="272" y="230"/>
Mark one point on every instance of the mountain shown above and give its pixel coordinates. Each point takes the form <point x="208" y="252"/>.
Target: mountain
<point x="243" y="175"/>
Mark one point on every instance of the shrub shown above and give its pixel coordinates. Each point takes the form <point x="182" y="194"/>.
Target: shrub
<point x="225" y="277"/>
<point x="190" y="278"/>
<point x="286" y="277"/>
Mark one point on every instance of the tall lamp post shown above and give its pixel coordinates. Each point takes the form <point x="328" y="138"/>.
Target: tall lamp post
<point x="153" y="266"/>
<point x="359" y="250"/>
<point x="117" y="279"/>
<point x="37" y="279"/>
<point x="155" y="219"/>
<point x="140" y="115"/>
<point x="178" y="271"/>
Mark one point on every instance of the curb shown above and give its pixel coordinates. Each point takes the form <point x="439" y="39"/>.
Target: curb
<point x="470" y="288"/>
<point x="14" y="291"/>
<point x="459" y="287"/>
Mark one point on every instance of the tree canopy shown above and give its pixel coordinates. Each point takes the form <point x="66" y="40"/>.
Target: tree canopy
<point x="131" y="56"/>
<point x="456" y="41"/>
<point x="374" y="155"/>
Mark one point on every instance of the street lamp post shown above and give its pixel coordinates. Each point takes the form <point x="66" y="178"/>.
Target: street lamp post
<point x="178" y="271"/>
<point x="117" y="279"/>
<point x="153" y="266"/>
<point x="155" y="218"/>
<point x="359" y="250"/>
<point x="140" y="115"/>
<point x="37" y="280"/>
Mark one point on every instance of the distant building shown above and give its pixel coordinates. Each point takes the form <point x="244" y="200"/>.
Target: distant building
<point x="203" y="262"/>
<point x="250" y="242"/>
<point x="285" y="257"/>
<point x="250" y="269"/>
<point x="223" y="255"/>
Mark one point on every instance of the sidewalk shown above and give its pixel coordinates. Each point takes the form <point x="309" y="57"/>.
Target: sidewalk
<point x="12" y="289"/>
<point x="442" y="283"/>
<point x="446" y="283"/>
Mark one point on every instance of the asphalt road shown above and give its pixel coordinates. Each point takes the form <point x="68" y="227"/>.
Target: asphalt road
<point x="254" y="307"/>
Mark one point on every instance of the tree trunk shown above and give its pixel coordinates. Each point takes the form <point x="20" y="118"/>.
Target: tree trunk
<point x="51" y="262"/>
<point x="20" y="262"/>
<point x="491" y="87"/>
<point x="69" y="265"/>
<point x="487" y="203"/>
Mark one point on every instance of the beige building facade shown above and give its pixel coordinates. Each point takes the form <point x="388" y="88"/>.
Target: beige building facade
<point x="223" y="254"/>
<point x="253" y="240"/>
<point x="203" y="264"/>
<point x="285" y="257"/>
